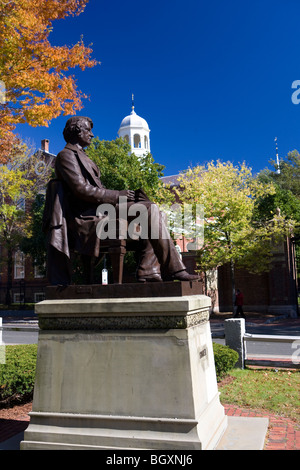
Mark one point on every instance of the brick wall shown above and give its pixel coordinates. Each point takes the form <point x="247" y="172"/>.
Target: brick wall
<point x="254" y="287"/>
<point x="275" y="291"/>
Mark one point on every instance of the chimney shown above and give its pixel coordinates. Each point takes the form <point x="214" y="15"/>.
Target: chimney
<point x="45" y="145"/>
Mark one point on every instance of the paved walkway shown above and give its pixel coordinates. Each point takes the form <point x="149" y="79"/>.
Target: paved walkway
<point x="260" y="324"/>
<point x="13" y="422"/>
<point x="283" y="433"/>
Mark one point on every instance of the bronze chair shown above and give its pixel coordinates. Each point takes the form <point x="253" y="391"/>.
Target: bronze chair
<point x="116" y="250"/>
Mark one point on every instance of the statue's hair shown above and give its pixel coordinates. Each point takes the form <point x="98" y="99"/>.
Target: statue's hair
<point x="73" y="126"/>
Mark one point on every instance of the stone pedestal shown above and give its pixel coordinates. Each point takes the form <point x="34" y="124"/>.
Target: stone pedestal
<point x="131" y="373"/>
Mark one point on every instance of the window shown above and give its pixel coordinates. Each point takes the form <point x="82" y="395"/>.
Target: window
<point x="126" y="138"/>
<point x="21" y="204"/>
<point x="38" y="272"/>
<point x="146" y="142"/>
<point x="137" y="141"/>
<point x="19" y="267"/>
<point x="39" y="297"/>
<point x="18" y="298"/>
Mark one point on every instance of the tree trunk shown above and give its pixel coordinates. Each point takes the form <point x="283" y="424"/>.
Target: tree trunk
<point x="232" y="274"/>
<point x="8" y="299"/>
<point x="232" y="277"/>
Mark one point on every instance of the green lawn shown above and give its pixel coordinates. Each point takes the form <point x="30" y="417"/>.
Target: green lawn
<point x="276" y="392"/>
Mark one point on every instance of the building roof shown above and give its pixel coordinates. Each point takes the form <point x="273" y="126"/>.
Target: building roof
<point x="134" y="121"/>
<point x="171" y="180"/>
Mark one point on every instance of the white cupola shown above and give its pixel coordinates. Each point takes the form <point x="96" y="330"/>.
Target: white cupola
<point x="136" y="131"/>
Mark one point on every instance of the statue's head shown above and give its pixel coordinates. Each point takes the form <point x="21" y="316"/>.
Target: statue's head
<point x="78" y="130"/>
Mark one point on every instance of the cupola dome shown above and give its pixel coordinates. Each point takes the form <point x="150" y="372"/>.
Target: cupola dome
<point x="135" y="130"/>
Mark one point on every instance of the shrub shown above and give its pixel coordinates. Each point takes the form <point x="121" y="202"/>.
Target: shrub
<point x="17" y="375"/>
<point x="225" y="359"/>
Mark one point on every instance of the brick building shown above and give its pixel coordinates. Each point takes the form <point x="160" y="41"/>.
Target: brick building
<point x="273" y="292"/>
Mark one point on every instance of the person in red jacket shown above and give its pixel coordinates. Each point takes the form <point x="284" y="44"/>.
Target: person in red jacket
<point x="239" y="302"/>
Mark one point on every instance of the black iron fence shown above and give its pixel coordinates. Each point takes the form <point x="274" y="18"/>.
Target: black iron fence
<point x="23" y="293"/>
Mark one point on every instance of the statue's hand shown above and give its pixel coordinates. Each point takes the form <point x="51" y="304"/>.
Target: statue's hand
<point x="128" y="193"/>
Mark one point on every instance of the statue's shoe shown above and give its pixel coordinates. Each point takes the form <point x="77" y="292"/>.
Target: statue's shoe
<point x="152" y="278"/>
<point x="185" y="276"/>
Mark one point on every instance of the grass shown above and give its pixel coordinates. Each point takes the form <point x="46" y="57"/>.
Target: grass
<point x="18" y="306"/>
<point x="270" y="390"/>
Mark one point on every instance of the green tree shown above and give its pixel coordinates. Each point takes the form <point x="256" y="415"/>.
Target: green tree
<point x="34" y="244"/>
<point x="121" y="169"/>
<point x="232" y="232"/>
<point x="283" y="200"/>
<point x="20" y="182"/>
<point x="286" y="197"/>
<point x="14" y="222"/>
<point x="289" y="176"/>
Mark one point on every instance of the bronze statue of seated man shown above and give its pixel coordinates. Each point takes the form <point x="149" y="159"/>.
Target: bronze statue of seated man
<point x="73" y="212"/>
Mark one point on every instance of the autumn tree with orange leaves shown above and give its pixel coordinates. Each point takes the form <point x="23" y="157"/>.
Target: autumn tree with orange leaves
<point x="33" y="73"/>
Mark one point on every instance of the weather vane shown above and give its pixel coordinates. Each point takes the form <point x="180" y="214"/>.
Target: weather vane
<point x="277" y="157"/>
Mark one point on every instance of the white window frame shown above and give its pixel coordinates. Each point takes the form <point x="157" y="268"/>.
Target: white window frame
<point x="137" y="141"/>
<point x="37" y="273"/>
<point x="19" y="264"/>
<point x="36" y="294"/>
<point x="18" y="297"/>
<point x="21" y="204"/>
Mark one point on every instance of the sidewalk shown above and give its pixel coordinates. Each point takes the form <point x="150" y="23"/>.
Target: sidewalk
<point x="13" y="422"/>
<point x="257" y="323"/>
<point x="283" y="433"/>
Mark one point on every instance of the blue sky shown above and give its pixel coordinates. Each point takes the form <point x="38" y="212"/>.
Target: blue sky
<point x="212" y="78"/>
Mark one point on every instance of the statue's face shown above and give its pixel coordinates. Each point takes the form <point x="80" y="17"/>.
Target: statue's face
<point x="85" y="134"/>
